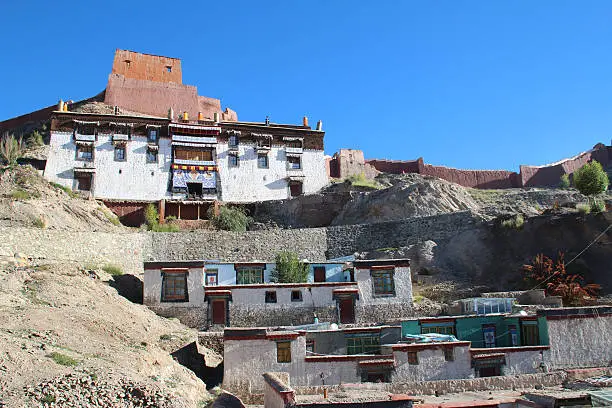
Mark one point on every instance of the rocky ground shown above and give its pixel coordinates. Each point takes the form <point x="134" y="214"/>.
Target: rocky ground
<point x="27" y="199"/>
<point x="67" y="338"/>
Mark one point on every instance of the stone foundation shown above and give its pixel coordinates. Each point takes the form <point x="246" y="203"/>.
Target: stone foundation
<point x="281" y="316"/>
<point x="194" y="317"/>
<point x="387" y="313"/>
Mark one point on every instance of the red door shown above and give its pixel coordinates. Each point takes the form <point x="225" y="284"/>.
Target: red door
<point x="319" y="274"/>
<point x="218" y="312"/>
<point x="347" y="310"/>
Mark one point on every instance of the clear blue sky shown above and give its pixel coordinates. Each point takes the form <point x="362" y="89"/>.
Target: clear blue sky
<point x="469" y="84"/>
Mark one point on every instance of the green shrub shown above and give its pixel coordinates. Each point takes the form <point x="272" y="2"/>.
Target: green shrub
<point x="598" y="206"/>
<point x="591" y="179"/>
<point x="151" y="215"/>
<point x="113" y="270"/>
<point x="360" y="180"/>
<point x="515" y="222"/>
<point x="11" y="149"/>
<point x="165" y="228"/>
<point x="63" y="359"/>
<point x="165" y="337"/>
<point x="48" y="399"/>
<point x="229" y="218"/>
<point x="583" y="208"/>
<point x="171" y="218"/>
<point x="35" y="139"/>
<point x="289" y="268"/>
<point x="20" y="195"/>
<point x="564" y="182"/>
<point x="40" y="222"/>
<point x="65" y="189"/>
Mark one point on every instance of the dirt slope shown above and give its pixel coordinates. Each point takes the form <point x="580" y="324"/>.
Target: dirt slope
<point x="118" y="348"/>
<point x="27" y="199"/>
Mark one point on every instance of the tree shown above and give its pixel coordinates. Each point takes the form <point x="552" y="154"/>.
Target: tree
<point x="11" y="149"/>
<point x="558" y="282"/>
<point x="229" y="218"/>
<point x="591" y="179"/>
<point x="289" y="268"/>
<point x="564" y="182"/>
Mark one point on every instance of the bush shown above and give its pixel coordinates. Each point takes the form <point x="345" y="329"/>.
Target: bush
<point x="40" y="222"/>
<point x="113" y="270"/>
<point x="598" y="206"/>
<point x="229" y="218"/>
<point x="515" y="222"/>
<point x="591" y="179"/>
<point x="165" y="228"/>
<point x="35" y="139"/>
<point x="583" y="208"/>
<point x="63" y="359"/>
<point x="151" y="215"/>
<point x="564" y="182"/>
<point x="289" y="268"/>
<point x="65" y="189"/>
<point x="360" y="180"/>
<point x="20" y="195"/>
<point x="11" y="149"/>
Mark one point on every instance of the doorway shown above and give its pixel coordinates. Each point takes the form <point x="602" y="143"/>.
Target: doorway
<point x="218" y="312"/>
<point x="347" y="310"/>
<point x="319" y="274"/>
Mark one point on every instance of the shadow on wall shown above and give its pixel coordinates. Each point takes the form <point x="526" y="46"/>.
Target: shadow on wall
<point x="128" y="286"/>
<point x="189" y="357"/>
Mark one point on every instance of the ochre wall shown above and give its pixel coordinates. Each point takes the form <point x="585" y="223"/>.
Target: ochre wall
<point x="147" y="67"/>
<point x="474" y="178"/>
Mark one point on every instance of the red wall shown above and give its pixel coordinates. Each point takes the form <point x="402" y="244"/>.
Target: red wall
<point x="397" y="166"/>
<point x="474" y="178"/>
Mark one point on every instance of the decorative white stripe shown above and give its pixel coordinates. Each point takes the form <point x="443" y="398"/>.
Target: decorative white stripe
<point x="215" y="128"/>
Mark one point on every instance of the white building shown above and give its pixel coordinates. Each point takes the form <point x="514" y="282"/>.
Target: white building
<point x="129" y="161"/>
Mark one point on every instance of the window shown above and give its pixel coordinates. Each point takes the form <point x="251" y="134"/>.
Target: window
<point x="193" y="154"/>
<point x="270" y="296"/>
<point x="296" y="188"/>
<point x="440" y="328"/>
<point x="127" y="62"/>
<point x="310" y="346"/>
<point x="513" y="335"/>
<point x="174" y="287"/>
<point x="265" y="142"/>
<point x="152" y="135"/>
<point x="233" y="141"/>
<point x="449" y="354"/>
<point x="296" y="144"/>
<point x="212" y="277"/>
<point x="233" y="160"/>
<point x="120" y="153"/>
<point x="294" y="163"/>
<point x="248" y="275"/>
<point x="83" y="182"/>
<point x="84" y="152"/>
<point x="283" y="352"/>
<point x="366" y="344"/>
<point x="529" y="333"/>
<point x="413" y="358"/>
<point x="383" y="283"/>
<point x="296" y="295"/>
<point x="86" y="129"/>
<point x="168" y="68"/>
<point x="151" y="155"/>
<point x="262" y="161"/>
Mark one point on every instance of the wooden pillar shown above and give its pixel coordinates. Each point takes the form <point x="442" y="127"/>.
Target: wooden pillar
<point x="179" y="211"/>
<point x="162" y="211"/>
<point x="198" y="211"/>
<point x="216" y="207"/>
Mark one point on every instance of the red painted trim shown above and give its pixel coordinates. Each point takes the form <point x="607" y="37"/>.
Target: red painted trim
<point x="315" y="359"/>
<point x="287" y="336"/>
<point x="363" y="330"/>
<point x="528" y="318"/>
<point x="377" y="363"/>
<point x="217" y="292"/>
<point x="174" y="269"/>
<point x="578" y="316"/>
<point x="381" y="267"/>
<point x="286" y="285"/>
<point x="435" y="320"/>
<point x="508" y="349"/>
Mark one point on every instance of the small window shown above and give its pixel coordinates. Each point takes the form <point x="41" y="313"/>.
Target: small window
<point x="168" y="68"/>
<point x="151" y="155"/>
<point x="262" y="161"/>
<point x="440" y="328"/>
<point x="233" y="141"/>
<point x="265" y="143"/>
<point x="296" y="144"/>
<point x="152" y="136"/>
<point x="283" y="352"/>
<point x="233" y="160"/>
<point x="120" y="153"/>
<point x="529" y="333"/>
<point x="249" y="275"/>
<point x="212" y="277"/>
<point x="128" y="63"/>
<point x="296" y="295"/>
<point x="174" y="287"/>
<point x="383" y="283"/>
<point x="294" y="163"/>
<point x="413" y="358"/>
<point x="270" y="296"/>
<point x="83" y="182"/>
<point x="310" y="346"/>
<point x="84" y="153"/>
<point x="449" y="354"/>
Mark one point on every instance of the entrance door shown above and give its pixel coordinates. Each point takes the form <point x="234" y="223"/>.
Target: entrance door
<point x="319" y="274"/>
<point x="347" y="310"/>
<point x="218" y="312"/>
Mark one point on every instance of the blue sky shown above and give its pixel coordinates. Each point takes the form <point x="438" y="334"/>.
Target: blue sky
<point x="469" y="84"/>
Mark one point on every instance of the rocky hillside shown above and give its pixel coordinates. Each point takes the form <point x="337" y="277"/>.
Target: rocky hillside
<point x="27" y="199"/>
<point x="67" y="337"/>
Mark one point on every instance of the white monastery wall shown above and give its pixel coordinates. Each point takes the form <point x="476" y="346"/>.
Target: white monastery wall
<point x="153" y="285"/>
<point x="313" y="165"/>
<point x="524" y="362"/>
<point x="312" y="296"/>
<point x="61" y="159"/>
<point x="403" y="287"/>
<point x="433" y="366"/>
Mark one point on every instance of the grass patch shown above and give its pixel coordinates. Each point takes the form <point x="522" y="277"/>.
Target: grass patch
<point x="63" y="359"/>
<point x="360" y="180"/>
<point x="64" y="189"/>
<point x="165" y="228"/>
<point x="515" y="222"/>
<point x="40" y="222"/>
<point x="598" y="206"/>
<point x="48" y="399"/>
<point x="113" y="270"/>
<point x="20" y="195"/>
<point x="111" y="217"/>
<point x="418" y="298"/>
<point x="583" y="208"/>
<point x="487" y="196"/>
<point x="165" y="337"/>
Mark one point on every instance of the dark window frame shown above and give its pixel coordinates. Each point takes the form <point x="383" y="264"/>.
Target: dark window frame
<point x="233" y="160"/>
<point x="298" y="298"/>
<point x="233" y="143"/>
<point x="155" y="153"/>
<point x="252" y="270"/>
<point x="379" y="285"/>
<point x="118" y="148"/>
<point x="79" y="148"/>
<point x="290" y="163"/>
<point x="153" y="139"/>
<point x="211" y="272"/>
<point x="174" y="277"/>
<point x="449" y="353"/>
<point x="283" y="351"/>
<point x="413" y="357"/>
<point x="365" y="344"/>
<point x="270" y="296"/>
<point x="261" y="165"/>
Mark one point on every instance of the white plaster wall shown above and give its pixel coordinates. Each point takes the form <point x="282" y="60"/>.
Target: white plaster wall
<point x="227" y="272"/>
<point x="272" y="398"/>
<point x="244" y="362"/>
<point x="584" y="342"/>
<point x="403" y="288"/>
<point x="433" y="366"/>
<point x="524" y="362"/>
<point x="138" y="180"/>
<point x="334" y="372"/>
<point x="152" y="284"/>
<point x="315" y="296"/>
<point x="313" y="165"/>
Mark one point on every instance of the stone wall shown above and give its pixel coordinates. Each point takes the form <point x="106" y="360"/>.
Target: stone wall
<point x="98" y="248"/>
<point x="348" y="239"/>
<point x="279" y="316"/>
<point x="146" y="66"/>
<point x="310" y="244"/>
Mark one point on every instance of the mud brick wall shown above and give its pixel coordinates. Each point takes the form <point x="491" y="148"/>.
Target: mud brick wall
<point x="474" y="178"/>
